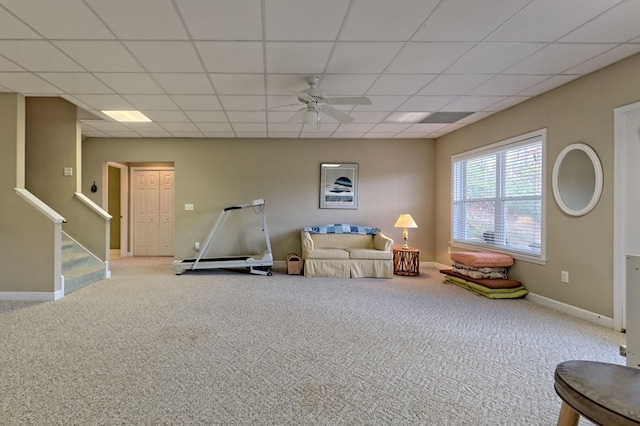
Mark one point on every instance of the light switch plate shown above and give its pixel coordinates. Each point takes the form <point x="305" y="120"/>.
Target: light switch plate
<point x="68" y="171"/>
<point x="188" y="206"/>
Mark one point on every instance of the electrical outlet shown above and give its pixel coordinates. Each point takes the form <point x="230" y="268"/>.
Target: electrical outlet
<point x="188" y="206"/>
<point x="564" y="276"/>
<point x="67" y="171"/>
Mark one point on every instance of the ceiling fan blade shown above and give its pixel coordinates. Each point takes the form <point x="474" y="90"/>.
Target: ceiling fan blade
<point x="297" y="117"/>
<point x="337" y="115"/>
<point x="349" y="100"/>
<point x="276" y="107"/>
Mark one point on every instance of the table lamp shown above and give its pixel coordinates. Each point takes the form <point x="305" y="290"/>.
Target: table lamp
<point x="405" y="221"/>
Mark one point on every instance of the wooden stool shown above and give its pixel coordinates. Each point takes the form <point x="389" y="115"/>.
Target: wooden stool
<point x="606" y="394"/>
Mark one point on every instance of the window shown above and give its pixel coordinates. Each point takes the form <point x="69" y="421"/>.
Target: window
<point x="498" y="197"/>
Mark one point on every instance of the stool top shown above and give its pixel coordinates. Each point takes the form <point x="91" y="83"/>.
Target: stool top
<point x="600" y="391"/>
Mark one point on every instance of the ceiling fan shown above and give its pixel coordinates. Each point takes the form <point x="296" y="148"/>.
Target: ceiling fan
<point x="316" y="103"/>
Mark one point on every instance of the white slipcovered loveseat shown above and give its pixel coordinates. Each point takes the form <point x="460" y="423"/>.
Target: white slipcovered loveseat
<point x="346" y="251"/>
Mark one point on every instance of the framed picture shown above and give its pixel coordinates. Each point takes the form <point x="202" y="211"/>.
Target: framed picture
<point x="338" y="186"/>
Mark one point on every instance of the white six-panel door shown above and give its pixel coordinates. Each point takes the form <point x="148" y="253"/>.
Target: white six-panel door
<point x="153" y="212"/>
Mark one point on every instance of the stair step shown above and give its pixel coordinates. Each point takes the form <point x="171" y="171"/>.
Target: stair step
<point x="67" y="246"/>
<point x="71" y="260"/>
<point x="83" y="276"/>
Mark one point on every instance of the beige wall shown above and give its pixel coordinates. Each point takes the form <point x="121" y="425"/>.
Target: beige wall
<point x="27" y="238"/>
<point x="395" y="176"/>
<point x="581" y="111"/>
<point x="53" y="143"/>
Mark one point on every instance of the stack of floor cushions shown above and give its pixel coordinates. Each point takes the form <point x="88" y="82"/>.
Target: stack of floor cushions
<point x="484" y="274"/>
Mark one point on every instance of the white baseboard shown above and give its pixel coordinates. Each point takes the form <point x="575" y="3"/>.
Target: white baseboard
<point x="434" y="265"/>
<point x="571" y="310"/>
<point x="31" y="296"/>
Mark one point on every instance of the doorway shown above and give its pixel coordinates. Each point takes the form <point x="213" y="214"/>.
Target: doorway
<point x="626" y="231"/>
<point x="152" y="211"/>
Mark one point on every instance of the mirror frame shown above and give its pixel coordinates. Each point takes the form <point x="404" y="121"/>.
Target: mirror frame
<point x="597" y="168"/>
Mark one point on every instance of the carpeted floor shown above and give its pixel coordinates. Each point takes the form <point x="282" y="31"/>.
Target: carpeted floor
<point x="147" y="347"/>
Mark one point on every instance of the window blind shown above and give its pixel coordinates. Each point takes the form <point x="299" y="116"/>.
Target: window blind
<point x="497" y="196"/>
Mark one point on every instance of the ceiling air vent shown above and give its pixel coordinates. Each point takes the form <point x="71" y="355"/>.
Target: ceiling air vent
<point x="445" y="117"/>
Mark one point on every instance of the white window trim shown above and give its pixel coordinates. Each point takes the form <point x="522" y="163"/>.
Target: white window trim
<point x="489" y="149"/>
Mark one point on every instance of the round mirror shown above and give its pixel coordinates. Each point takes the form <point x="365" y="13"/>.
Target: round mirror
<point x="577" y="179"/>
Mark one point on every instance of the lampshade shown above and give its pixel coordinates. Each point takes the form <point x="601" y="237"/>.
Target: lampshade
<point x="310" y="116"/>
<point x="405" y="221"/>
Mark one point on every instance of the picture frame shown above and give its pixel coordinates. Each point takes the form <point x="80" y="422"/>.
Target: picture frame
<point x="338" y="186"/>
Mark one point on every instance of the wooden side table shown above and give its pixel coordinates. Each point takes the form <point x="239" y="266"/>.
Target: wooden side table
<point x="406" y="262"/>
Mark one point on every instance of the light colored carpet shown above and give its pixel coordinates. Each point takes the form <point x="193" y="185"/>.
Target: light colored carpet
<point x="147" y="347"/>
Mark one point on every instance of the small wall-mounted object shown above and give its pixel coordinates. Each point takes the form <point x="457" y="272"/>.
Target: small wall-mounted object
<point x="94" y="188"/>
<point x="67" y="171"/>
<point x="577" y="179"/>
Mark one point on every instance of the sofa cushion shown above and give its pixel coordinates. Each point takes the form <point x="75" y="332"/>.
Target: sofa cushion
<point x="368" y="254"/>
<point x="342" y="241"/>
<point x="328" y="253"/>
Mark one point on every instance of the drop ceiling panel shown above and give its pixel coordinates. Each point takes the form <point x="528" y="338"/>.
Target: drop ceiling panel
<point x="320" y="22"/>
<point x="7" y="65"/>
<point x="60" y="19"/>
<point x="175" y="56"/>
<point x="28" y="84"/>
<point x="402" y="84"/>
<point x="172" y="116"/>
<point x="222" y="19"/>
<point x="184" y="83"/>
<point x="467" y="20"/>
<point x="430" y="58"/>
<point x="197" y="102"/>
<point x="76" y="82"/>
<point x="143" y="20"/>
<point x="383" y="103"/>
<point x="207" y="116"/>
<point x="453" y="84"/>
<point x="105" y="102"/>
<point x="493" y="58"/>
<point x="130" y="83"/>
<point x="151" y="102"/>
<point x="180" y="127"/>
<point x="100" y="56"/>
<point x="247" y="116"/>
<point x="241" y="103"/>
<point x="302" y="58"/>
<point x="244" y="84"/>
<point x="472" y="103"/>
<point x="381" y="20"/>
<point x="548" y="84"/>
<point x="426" y="103"/>
<point x="547" y="20"/>
<point x="214" y="127"/>
<point x="347" y="84"/>
<point x="362" y="57"/>
<point x="285" y="84"/>
<point x="616" y="25"/>
<point x="231" y="57"/>
<point x="557" y="58"/>
<point x="504" y="85"/>
<point x="602" y="60"/>
<point x="13" y="28"/>
<point x="37" y="55"/>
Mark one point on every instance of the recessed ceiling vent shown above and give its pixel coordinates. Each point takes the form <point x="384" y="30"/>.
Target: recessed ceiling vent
<point x="445" y="117"/>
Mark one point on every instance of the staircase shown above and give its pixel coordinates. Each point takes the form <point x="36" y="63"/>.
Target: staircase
<point x="79" y="267"/>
